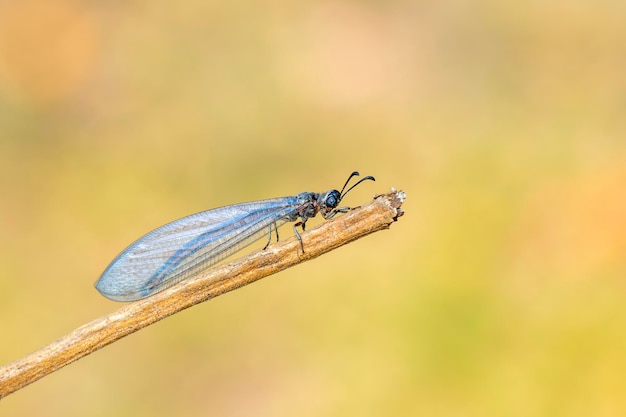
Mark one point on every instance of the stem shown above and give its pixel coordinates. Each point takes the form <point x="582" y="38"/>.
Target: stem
<point x="375" y="216"/>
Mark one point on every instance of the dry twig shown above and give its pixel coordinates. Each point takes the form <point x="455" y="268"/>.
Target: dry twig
<point x="375" y="216"/>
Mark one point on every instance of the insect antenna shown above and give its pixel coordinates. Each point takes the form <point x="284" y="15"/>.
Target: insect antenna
<point x="355" y="173"/>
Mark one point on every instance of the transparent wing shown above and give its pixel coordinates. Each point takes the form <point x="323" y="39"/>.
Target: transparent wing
<point x="183" y="247"/>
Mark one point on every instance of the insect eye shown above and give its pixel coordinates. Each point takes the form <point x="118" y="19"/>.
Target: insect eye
<point x="331" y="200"/>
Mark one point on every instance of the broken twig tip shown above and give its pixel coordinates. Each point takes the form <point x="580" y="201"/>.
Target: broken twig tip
<point x="394" y="200"/>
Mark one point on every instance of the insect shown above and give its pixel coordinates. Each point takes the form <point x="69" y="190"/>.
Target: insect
<point x="182" y="248"/>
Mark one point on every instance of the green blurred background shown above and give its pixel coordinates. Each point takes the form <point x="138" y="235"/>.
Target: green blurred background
<point x="499" y="293"/>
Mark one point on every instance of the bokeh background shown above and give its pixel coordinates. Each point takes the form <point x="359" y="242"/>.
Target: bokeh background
<point x="502" y="290"/>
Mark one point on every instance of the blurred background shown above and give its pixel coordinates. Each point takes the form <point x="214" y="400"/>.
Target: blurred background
<point x="499" y="293"/>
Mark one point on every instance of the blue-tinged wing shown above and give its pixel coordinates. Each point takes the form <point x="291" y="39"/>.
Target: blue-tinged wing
<point x="183" y="247"/>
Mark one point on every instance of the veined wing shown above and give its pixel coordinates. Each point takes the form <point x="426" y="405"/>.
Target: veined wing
<point x="183" y="247"/>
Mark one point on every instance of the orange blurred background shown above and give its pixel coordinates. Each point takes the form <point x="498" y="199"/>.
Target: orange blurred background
<point x="502" y="290"/>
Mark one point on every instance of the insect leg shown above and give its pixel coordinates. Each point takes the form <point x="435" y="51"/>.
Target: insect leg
<point x="295" y="230"/>
<point x="339" y="210"/>
<point x="269" y="234"/>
